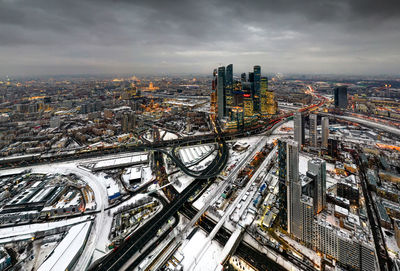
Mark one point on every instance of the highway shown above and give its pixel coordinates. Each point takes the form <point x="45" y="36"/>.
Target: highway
<point x="211" y="199"/>
<point x="116" y="259"/>
<point x="368" y="123"/>
<point x="233" y="205"/>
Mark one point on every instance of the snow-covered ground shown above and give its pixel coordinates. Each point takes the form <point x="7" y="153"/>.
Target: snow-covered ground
<point x="199" y="203"/>
<point x="210" y="259"/>
<point x="168" y="135"/>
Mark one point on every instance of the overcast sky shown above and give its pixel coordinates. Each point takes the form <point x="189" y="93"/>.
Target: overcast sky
<point x="159" y="36"/>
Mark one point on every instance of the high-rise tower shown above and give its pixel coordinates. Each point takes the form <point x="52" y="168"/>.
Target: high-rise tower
<point x="282" y="183"/>
<point x="263" y="95"/>
<point x="317" y="171"/>
<point x="340" y="97"/>
<point x="299" y="134"/>
<point x="325" y="132"/>
<point x="313" y="131"/>
<point x="229" y="89"/>
<point x="294" y="189"/>
<point x="213" y="104"/>
<point x="221" y="101"/>
<point x="257" y="85"/>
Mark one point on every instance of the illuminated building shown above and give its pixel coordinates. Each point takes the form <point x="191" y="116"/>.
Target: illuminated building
<point x="263" y="95"/>
<point x="340" y="97"/>
<point x="248" y="105"/>
<point x="267" y="99"/>
<point x="272" y="105"/>
<point x="237" y="115"/>
<point x="325" y="132"/>
<point x="237" y="94"/>
<point x="256" y="93"/>
<point x="221" y="102"/>
<point x="313" y="131"/>
<point x="213" y="105"/>
<point x="229" y="89"/>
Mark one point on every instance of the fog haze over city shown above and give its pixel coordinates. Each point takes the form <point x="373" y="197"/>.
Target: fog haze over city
<point x="91" y="37"/>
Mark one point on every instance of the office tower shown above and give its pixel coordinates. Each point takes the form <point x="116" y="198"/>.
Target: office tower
<point x="257" y="83"/>
<point x="248" y="105"/>
<point x="229" y="88"/>
<point x="325" y="132"/>
<point x="221" y="93"/>
<point x="263" y="95"/>
<point x="251" y="77"/>
<point x="340" y="96"/>
<point x="307" y="219"/>
<point x="294" y="189"/>
<point x="299" y="134"/>
<point x="237" y="94"/>
<point x="333" y="147"/>
<point x="282" y="184"/>
<point x="272" y="105"/>
<point x="313" y="131"/>
<point x="238" y="117"/>
<point x="213" y="104"/>
<point x="317" y="171"/>
<point x="243" y="77"/>
<point x="128" y="121"/>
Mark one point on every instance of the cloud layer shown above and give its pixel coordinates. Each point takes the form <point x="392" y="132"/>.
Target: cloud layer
<point x="157" y="36"/>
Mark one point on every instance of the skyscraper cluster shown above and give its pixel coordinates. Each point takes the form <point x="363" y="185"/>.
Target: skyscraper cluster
<point x="249" y="95"/>
<point x="304" y="207"/>
<point x="299" y="131"/>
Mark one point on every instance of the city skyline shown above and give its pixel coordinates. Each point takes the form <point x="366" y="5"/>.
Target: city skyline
<point x="54" y="37"/>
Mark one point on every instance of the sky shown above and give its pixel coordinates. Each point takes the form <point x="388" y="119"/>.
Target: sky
<point x="55" y="37"/>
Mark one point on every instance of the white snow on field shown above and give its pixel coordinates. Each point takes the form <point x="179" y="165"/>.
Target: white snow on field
<point x="210" y="259"/>
<point x="199" y="203"/>
<point x="169" y="136"/>
<point x="288" y="124"/>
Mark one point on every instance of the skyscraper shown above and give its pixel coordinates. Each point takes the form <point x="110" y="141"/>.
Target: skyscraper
<point x="257" y="84"/>
<point x="313" y="131"/>
<point x="229" y="89"/>
<point x="213" y="104"/>
<point x="340" y="96"/>
<point x="221" y="92"/>
<point x="317" y="171"/>
<point x="294" y="189"/>
<point x="325" y="132"/>
<point x="243" y="77"/>
<point x="282" y="184"/>
<point x="248" y="105"/>
<point x="299" y="134"/>
<point x="263" y="95"/>
<point x="128" y="121"/>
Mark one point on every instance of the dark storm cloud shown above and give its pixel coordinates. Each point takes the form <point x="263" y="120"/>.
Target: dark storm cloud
<point x="318" y="36"/>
